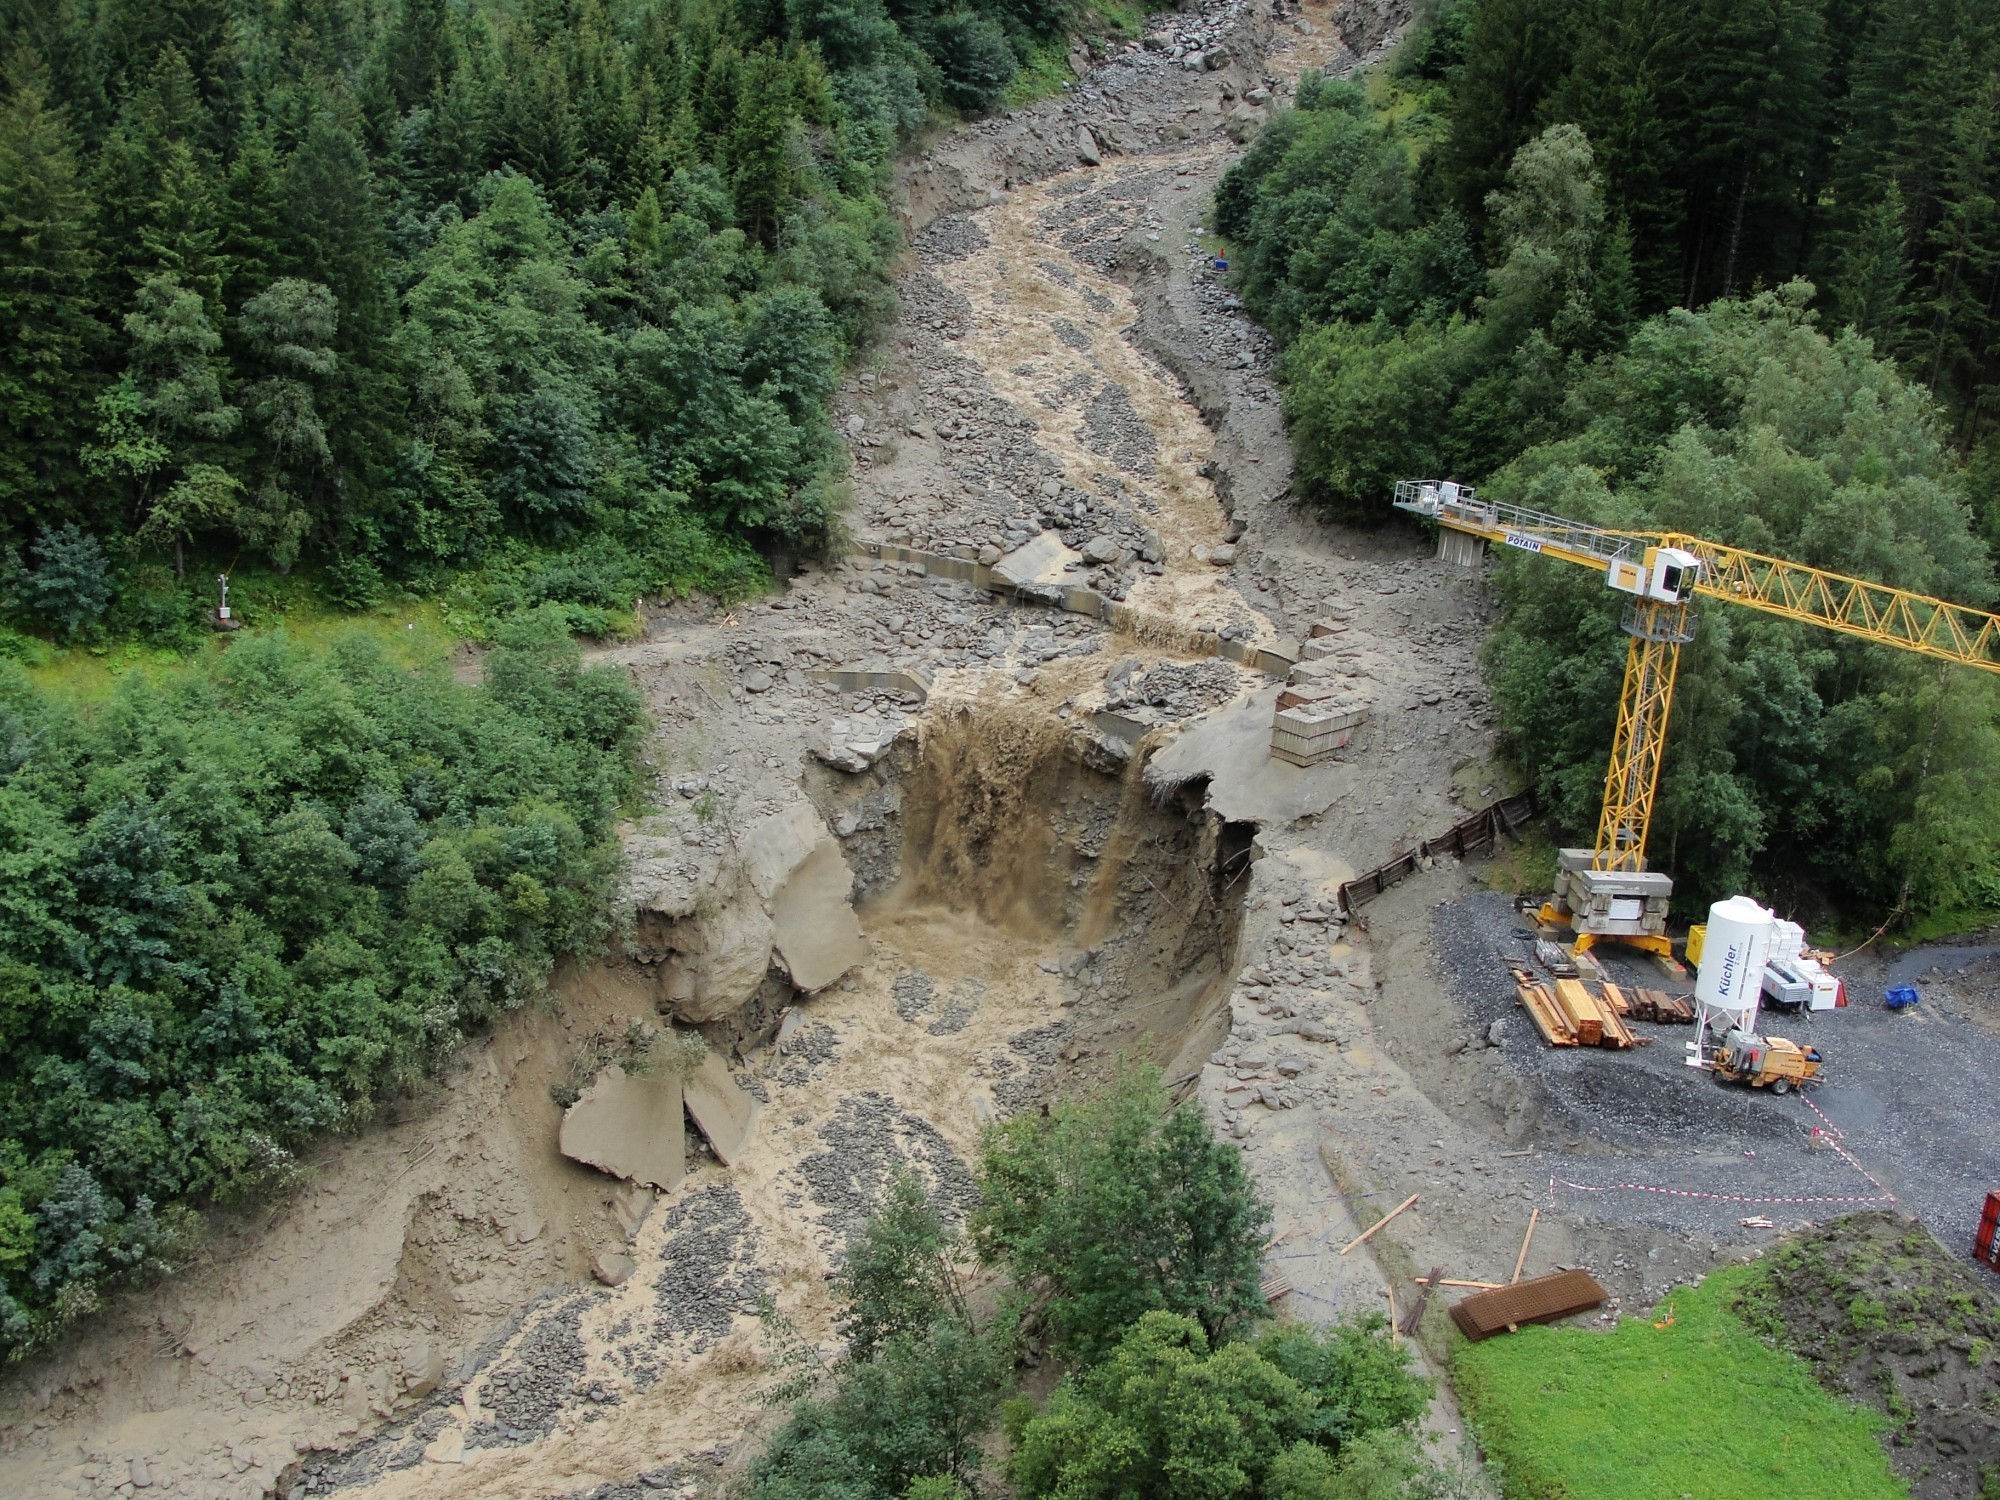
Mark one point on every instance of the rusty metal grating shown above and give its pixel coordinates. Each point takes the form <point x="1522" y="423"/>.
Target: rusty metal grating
<point x="1540" y="1300"/>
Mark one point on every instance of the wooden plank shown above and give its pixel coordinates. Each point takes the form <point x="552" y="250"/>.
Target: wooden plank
<point x="1541" y="1009"/>
<point x="1369" y="1233"/>
<point x="1534" y="1218"/>
<point x="1615" y="997"/>
<point x="1580" y="1011"/>
<point x="1274" y="1286"/>
<point x="1480" y="1286"/>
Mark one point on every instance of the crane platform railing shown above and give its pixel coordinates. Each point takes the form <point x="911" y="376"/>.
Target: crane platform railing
<point x="1877" y="612"/>
<point x="1459" y="507"/>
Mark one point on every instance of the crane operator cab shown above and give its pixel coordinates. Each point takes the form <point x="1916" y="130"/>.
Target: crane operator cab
<point x="1665" y="574"/>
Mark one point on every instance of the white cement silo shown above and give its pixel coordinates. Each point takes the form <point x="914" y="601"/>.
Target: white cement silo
<point x="1731" y="976"/>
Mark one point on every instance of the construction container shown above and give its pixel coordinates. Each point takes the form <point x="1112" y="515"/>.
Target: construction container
<point x="1311" y="734"/>
<point x="1983" y="1243"/>
<point x="1696" y="937"/>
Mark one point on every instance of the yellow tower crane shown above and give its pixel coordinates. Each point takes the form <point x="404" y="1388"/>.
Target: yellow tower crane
<point x="1607" y="891"/>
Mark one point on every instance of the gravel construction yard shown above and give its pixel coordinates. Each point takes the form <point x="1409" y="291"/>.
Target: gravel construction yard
<point x="1639" y="1137"/>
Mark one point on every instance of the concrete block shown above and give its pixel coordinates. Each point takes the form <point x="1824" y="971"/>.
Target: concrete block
<point x="814" y="929"/>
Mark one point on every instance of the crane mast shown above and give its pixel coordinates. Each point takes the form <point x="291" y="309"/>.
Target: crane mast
<point x="1655" y="632"/>
<point x="1606" y="892"/>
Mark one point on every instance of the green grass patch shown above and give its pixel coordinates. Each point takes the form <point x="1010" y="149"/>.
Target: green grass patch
<point x="411" y="633"/>
<point x="1525" y="864"/>
<point x="1043" y="72"/>
<point x="1699" y="1408"/>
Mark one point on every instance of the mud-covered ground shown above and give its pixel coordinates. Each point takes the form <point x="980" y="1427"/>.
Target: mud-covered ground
<point x="1890" y="1320"/>
<point x="421" y="1315"/>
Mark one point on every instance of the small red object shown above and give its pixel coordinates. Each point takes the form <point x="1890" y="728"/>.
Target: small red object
<point x="1983" y="1243"/>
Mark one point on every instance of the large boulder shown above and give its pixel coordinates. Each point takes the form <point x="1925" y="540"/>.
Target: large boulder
<point x="715" y="924"/>
<point x="629" y="1127"/>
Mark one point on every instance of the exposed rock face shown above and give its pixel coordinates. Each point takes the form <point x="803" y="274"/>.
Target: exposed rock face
<point x="1366" y="24"/>
<point x="717" y="923"/>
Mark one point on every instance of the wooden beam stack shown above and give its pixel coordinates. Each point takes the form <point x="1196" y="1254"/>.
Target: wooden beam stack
<point x="1541" y="1008"/>
<point x="1569" y="1014"/>
<point x="1659" y="1007"/>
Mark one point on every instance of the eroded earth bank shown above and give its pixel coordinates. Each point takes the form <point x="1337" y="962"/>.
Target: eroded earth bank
<point x="939" y="833"/>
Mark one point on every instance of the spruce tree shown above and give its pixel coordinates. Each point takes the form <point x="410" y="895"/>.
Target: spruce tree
<point x="1874" y="270"/>
<point x="761" y="173"/>
<point x="336" y="231"/>
<point x="1960" y="346"/>
<point x="289" y="328"/>
<point x="256" y="216"/>
<point x="46" y="264"/>
<point x="181" y="234"/>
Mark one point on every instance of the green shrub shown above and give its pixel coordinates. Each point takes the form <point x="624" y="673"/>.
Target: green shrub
<point x="1124" y="1207"/>
<point x="904" y="1412"/>
<point x="244" y="897"/>
<point x="1287" y="1414"/>
<point x="69" y="587"/>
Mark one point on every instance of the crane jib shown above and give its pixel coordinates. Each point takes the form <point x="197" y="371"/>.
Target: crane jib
<point x="1525" y="543"/>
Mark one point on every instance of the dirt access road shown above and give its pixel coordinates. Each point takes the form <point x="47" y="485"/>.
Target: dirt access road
<point x="1039" y="894"/>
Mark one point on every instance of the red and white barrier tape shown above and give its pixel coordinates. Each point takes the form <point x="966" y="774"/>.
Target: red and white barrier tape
<point x="1831" y="1133"/>
<point x="1667" y="1192"/>
<point x="1834" y="1135"/>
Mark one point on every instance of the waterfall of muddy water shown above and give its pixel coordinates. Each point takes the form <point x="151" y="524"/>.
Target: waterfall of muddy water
<point x="1042" y="918"/>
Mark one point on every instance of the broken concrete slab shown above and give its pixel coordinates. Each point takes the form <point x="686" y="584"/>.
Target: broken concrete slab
<point x="1231" y="749"/>
<point x="814" y="929"/>
<point x="722" y="1111"/>
<point x="775" y="845"/>
<point x="629" y="1127"/>
<point x="630" y="1207"/>
<point x="1042" y="561"/>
